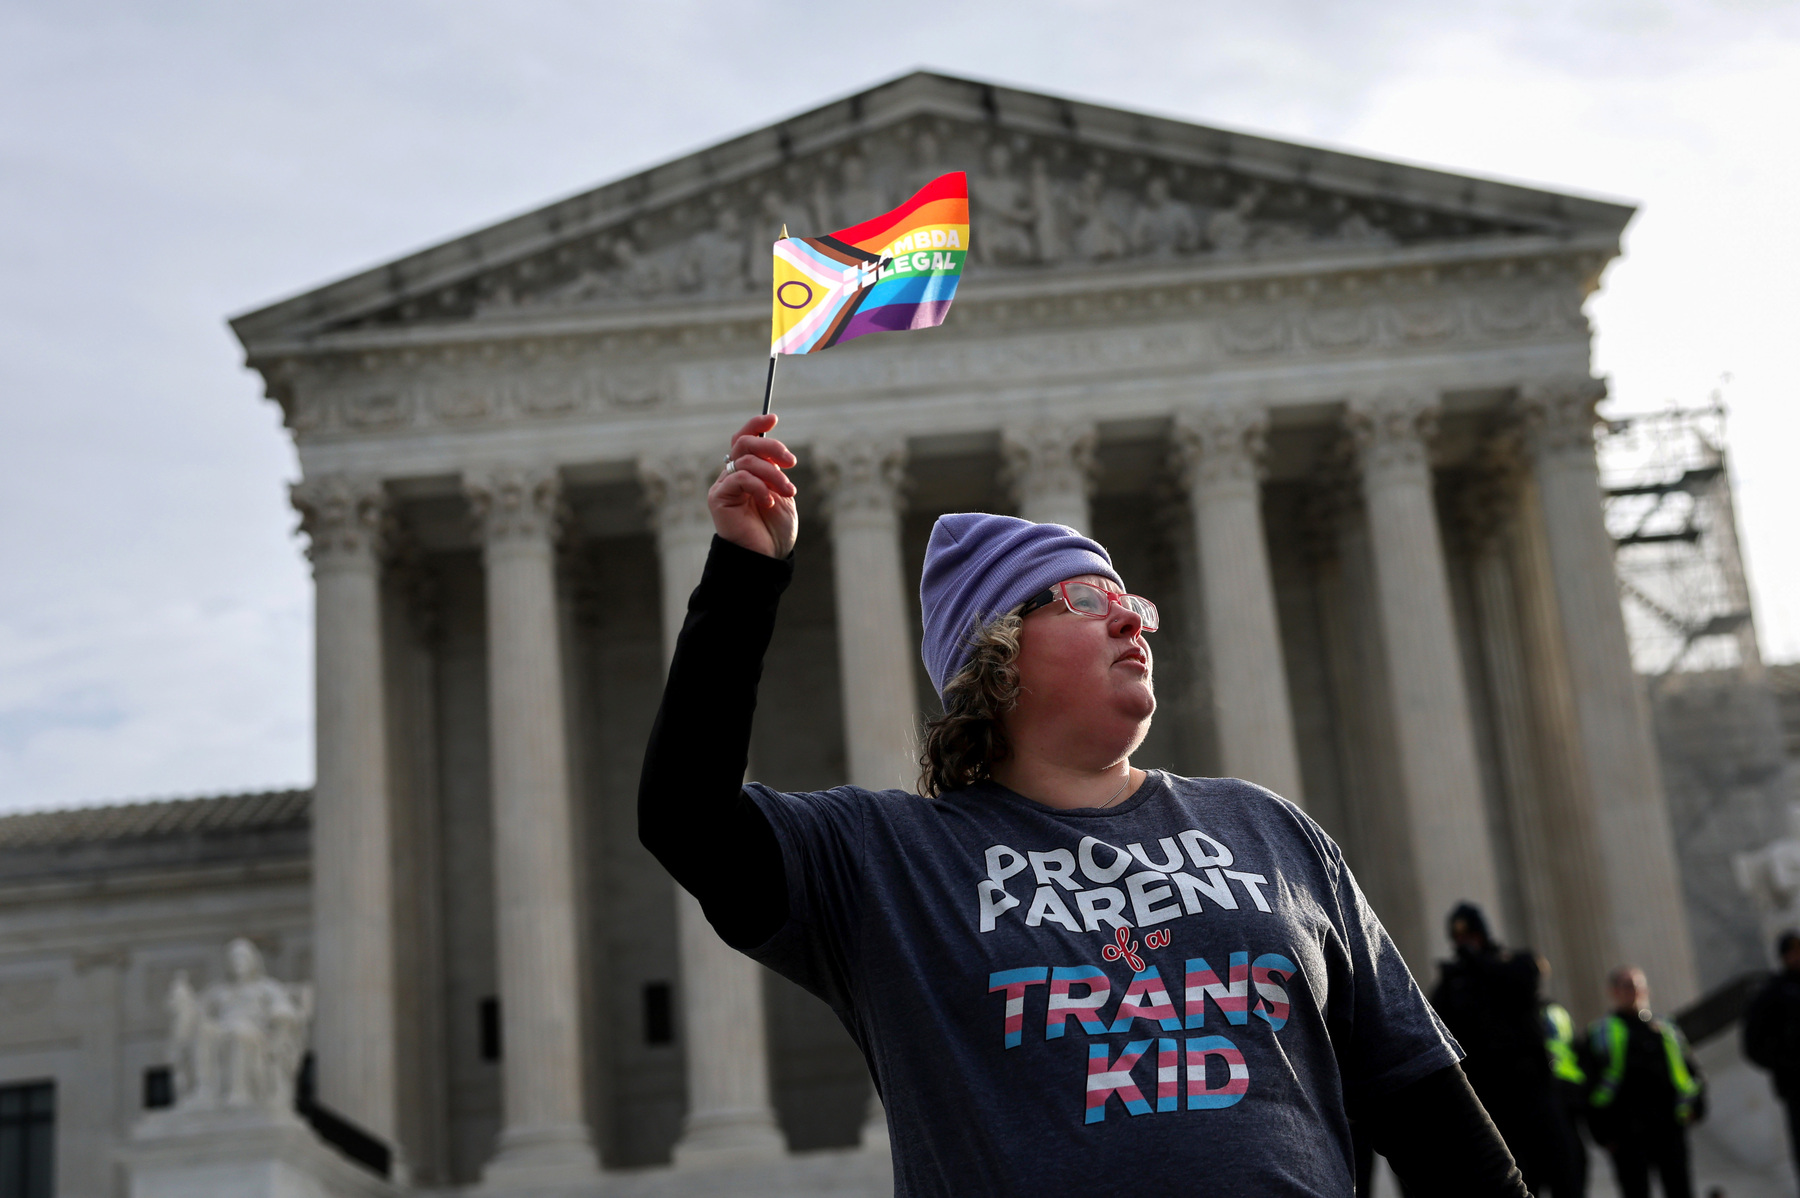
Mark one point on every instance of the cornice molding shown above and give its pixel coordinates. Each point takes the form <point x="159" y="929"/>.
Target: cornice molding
<point x="621" y="374"/>
<point x="1571" y="261"/>
<point x="293" y="869"/>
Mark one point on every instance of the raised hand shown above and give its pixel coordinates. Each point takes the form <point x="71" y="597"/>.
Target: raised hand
<point x="752" y="503"/>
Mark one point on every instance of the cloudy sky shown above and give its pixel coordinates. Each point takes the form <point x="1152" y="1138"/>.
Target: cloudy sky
<point x="164" y="166"/>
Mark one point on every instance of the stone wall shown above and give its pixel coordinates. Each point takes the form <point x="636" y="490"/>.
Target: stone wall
<point x="99" y="909"/>
<point x="1729" y="780"/>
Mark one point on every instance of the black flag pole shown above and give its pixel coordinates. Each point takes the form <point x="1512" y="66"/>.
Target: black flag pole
<point x="769" y="383"/>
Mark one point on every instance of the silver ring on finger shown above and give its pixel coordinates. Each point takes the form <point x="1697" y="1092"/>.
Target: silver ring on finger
<point x="730" y="463"/>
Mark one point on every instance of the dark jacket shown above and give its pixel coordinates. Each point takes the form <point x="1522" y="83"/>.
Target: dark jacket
<point x="1772" y="1031"/>
<point x="1489" y="1001"/>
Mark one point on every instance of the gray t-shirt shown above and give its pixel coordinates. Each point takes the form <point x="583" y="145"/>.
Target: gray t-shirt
<point x="1174" y="995"/>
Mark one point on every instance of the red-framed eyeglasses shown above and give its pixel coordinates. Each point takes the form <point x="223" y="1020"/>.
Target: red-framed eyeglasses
<point x="1086" y="599"/>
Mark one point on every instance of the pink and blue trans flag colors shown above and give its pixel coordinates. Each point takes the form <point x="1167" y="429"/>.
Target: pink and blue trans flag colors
<point x="896" y="271"/>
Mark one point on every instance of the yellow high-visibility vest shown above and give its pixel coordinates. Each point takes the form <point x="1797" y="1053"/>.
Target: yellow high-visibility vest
<point x="1608" y="1036"/>
<point x="1559" y="1042"/>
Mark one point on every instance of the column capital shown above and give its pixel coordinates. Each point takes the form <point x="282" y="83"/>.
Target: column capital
<point x="515" y="505"/>
<point x="1489" y="490"/>
<point x="675" y="487"/>
<point x="1392" y="428"/>
<point x="1220" y="445"/>
<point x="345" y="518"/>
<point x="1333" y="496"/>
<point x="1558" y="416"/>
<point x="1054" y="456"/>
<point x="862" y="476"/>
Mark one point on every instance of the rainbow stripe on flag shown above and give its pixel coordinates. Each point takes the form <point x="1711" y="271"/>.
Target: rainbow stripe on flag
<point x="897" y="271"/>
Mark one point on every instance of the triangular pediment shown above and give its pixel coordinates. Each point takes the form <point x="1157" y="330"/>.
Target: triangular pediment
<point x="1055" y="186"/>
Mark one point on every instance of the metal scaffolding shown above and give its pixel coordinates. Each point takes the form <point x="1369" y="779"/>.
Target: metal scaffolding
<point x="1669" y="509"/>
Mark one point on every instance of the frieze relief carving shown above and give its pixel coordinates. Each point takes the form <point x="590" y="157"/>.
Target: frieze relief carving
<point x="1340" y="328"/>
<point x="1254" y="333"/>
<point x="461" y="401"/>
<point x="371" y="410"/>
<point x="1036" y="201"/>
<point x="1174" y="326"/>
<point x="456" y="387"/>
<point x="1425" y="321"/>
<point x="1508" y="314"/>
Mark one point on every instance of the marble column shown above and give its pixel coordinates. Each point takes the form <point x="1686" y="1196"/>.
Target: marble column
<point x="862" y="482"/>
<point x="352" y="820"/>
<point x="1218" y="453"/>
<point x="1572" y="833"/>
<point x="730" y="1116"/>
<point x="1440" y="778"/>
<point x="1635" y="841"/>
<point x="544" y="1137"/>
<point x="1486" y="508"/>
<point x="1048" y="466"/>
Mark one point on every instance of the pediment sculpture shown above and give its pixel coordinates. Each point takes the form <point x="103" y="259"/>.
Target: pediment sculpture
<point x="1037" y="203"/>
<point x="238" y="1044"/>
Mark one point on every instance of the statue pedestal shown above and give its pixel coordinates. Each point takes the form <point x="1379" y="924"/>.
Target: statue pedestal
<point x="240" y="1154"/>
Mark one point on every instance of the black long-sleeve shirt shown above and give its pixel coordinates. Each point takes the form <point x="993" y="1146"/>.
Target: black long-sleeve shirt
<point x="695" y="816"/>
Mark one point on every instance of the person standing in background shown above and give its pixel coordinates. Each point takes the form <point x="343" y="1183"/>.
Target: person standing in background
<point x="1772" y="1033"/>
<point x="1568" y="1093"/>
<point x="1488" y="997"/>
<point x="1646" y="1091"/>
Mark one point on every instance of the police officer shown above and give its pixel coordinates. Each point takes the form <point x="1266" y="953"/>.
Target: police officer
<point x="1772" y="1032"/>
<point x="1568" y="1083"/>
<point x="1488" y="997"/>
<point x="1645" y="1091"/>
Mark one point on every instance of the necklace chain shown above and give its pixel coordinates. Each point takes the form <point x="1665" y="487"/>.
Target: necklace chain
<point x="1120" y="791"/>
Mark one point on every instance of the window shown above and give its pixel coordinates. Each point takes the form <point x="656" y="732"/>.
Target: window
<point x="159" y="1088"/>
<point x="489" y="1028"/>
<point x="659" y="1014"/>
<point x="27" y="1140"/>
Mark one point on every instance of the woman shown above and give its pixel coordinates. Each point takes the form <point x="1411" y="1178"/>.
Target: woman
<point x="1060" y="967"/>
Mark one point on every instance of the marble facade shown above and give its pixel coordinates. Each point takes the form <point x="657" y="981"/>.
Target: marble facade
<point x="102" y="910"/>
<point x="1334" y="414"/>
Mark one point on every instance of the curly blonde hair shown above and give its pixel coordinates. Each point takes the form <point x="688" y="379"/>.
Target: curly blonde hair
<point x="962" y="745"/>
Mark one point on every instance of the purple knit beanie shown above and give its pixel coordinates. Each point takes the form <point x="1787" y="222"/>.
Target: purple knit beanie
<point x="979" y="566"/>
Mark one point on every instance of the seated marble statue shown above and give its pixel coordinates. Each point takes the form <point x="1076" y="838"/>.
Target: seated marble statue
<point x="238" y="1044"/>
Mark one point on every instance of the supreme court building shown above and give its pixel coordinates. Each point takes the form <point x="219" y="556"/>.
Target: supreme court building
<point x="1333" y="414"/>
